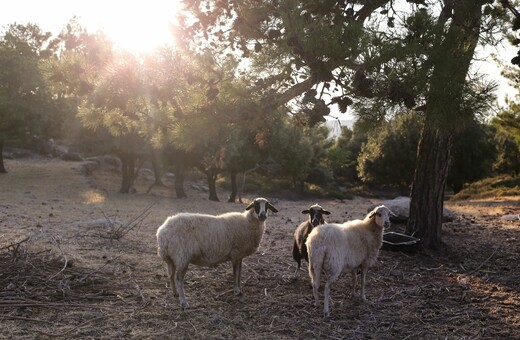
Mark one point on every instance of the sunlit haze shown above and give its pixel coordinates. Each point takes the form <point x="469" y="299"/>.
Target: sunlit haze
<point x="137" y="26"/>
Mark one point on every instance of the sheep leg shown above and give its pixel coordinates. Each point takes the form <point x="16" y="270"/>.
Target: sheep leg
<point x="297" y="269"/>
<point x="363" y="279"/>
<point x="237" y="271"/>
<point x="354" y="282"/>
<point x="179" y="283"/>
<point x="315" y="281"/>
<point x="171" y="272"/>
<point x="326" y="292"/>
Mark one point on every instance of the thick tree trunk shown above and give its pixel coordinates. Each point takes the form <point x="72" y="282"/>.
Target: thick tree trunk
<point x="234" y="187"/>
<point x="212" y="180"/>
<point x="2" y="167"/>
<point x="451" y="59"/>
<point x="427" y="203"/>
<point x="179" y="170"/>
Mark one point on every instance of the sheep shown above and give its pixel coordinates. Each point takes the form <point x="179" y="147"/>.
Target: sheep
<point x="299" y="250"/>
<point x="349" y="246"/>
<point x="207" y="240"/>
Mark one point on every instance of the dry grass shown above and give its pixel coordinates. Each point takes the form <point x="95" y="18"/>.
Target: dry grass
<point x="63" y="275"/>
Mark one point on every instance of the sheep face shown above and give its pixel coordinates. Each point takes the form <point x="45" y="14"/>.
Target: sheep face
<point x="316" y="213"/>
<point x="381" y="216"/>
<point x="261" y="205"/>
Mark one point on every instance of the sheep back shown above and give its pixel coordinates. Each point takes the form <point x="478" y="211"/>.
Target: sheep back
<point x="300" y="237"/>
<point x="345" y="246"/>
<point x="207" y="240"/>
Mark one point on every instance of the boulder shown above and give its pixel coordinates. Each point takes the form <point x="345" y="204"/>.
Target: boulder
<point x="511" y="217"/>
<point x="400" y="206"/>
<point x="71" y="157"/>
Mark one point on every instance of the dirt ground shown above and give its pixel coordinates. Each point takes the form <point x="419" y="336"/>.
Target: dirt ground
<point x="67" y="272"/>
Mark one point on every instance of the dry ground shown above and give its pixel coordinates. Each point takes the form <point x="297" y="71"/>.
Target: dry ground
<point x="67" y="273"/>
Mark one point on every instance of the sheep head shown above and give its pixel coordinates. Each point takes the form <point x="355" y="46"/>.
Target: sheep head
<point x="316" y="213"/>
<point x="381" y="216"/>
<point x="261" y="205"/>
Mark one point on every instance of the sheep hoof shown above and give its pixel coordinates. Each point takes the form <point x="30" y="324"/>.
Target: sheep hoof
<point x="185" y="305"/>
<point x="238" y="292"/>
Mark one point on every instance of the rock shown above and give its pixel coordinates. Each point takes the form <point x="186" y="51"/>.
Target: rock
<point x="112" y="160"/>
<point x="400" y="206"/>
<point x="511" y="217"/>
<point x="72" y="157"/>
<point x="88" y="167"/>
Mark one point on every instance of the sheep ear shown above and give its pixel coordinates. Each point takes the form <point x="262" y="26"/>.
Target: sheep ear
<point x="326" y="212"/>
<point x="273" y="209"/>
<point x="250" y="205"/>
<point x="306" y="211"/>
<point x="372" y="214"/>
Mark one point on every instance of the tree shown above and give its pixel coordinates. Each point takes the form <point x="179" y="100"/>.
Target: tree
<point x="366" y="50"/>
<point x="472" y="155"/>
<point x="507" y="139"/>
<point x="342" y="156"/>
<point x="119" y="104"/>
<point x="291" y="150"/>
<point x="388" y="157"/>
<point x="30" y="113"/>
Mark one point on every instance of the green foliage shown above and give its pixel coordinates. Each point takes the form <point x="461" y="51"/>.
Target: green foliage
<point x="30" y="111"/>
<point x="508" y="154"/>
<point x="473" y="153"/>
<point x="389" y="155"/>
<point x="342" y="155"/>
<point x="291" y="150"/>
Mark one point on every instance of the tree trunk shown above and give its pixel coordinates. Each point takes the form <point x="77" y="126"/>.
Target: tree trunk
<point x="451" y="59"/>
<point x="179" y="170"/>
<point x="157" y="167"/>
<point x="212" y="179"/>
<point x="427" y="194"/>
<point x="157" y="170"/>
<point x="234" y="187"/>
<point x="127" y="171"/>
<point x="2" y="167"/>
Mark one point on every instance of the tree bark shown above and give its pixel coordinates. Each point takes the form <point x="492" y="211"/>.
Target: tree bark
<point x="127" y="171"/>
<point x="157" y="167"/>
<point x="427" y="193"/>
<point x="2" y="167"/>
<point x="212" y="180"/>
<point x="451" y="60"/>
<point x="234" y="187"/>
<point x="180" y="168"/>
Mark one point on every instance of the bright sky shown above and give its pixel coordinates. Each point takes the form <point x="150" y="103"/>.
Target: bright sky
<point x="138" y="26"/>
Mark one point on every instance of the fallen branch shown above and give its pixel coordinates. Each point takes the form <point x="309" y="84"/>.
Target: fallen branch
<point x="72" y="329"/>
<point x="484" y="262"/>
<point x="17" y="244"/>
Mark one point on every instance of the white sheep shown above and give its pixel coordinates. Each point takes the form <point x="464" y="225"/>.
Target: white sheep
<point x="350" y="246"/>
<point x="207" y="240"/>
<point x="301" y="233"/>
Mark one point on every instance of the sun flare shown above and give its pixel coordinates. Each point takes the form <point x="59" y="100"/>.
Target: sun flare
<point x="138" y="26"/>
